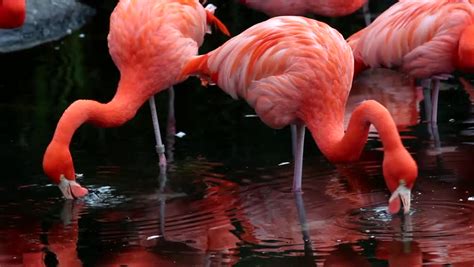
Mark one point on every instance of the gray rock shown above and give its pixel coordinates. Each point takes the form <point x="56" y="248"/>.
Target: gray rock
<point x="46" y="20"/>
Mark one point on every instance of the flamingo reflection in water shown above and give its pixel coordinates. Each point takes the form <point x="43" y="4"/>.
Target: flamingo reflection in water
<point x="44" y="244"/>
<point x="332" y="219"/>
<point x="333" y="202"/>
<point x="196" y="233"/>
<point x="179" y="240"/>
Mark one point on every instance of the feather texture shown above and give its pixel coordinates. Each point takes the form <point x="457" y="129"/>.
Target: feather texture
<point x="278" y="64"/>
<point x="420" y="37"/>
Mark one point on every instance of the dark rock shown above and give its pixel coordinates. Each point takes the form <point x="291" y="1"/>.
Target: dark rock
<point x="46" y="20"/>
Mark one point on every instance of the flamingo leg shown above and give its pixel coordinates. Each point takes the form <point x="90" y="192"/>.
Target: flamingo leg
<point x="162" y="180"/>
<point x="308" y="246"/>
<point x="427" y="101"/>
<point x="300" y="130"/>
<point x="160" y="148"/>
<point x="434" y="100"/>
<point x="171" y="116"/>
<point x="430" y="95"/>
<point x="366" y="11"/>
<point x="302" y="218"/>
<point x="170" y="127"/>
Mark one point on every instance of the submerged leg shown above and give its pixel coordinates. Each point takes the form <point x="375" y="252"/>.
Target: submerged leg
<point x="300" y="130"/>
<point x="162" y="180"/>
<point x="308" y="248"/>
<point x="160" y="148"/>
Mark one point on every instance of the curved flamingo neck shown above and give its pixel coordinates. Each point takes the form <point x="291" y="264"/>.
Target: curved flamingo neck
<point x="119" y="110"/>
<point x="338" y="146"/>
<point x="359" y="66"/>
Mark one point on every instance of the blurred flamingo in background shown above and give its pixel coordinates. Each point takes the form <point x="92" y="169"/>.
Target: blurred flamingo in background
<point x="12" y="13"/>
<point x="331" y="8"/>
<point x="425" y="39"/>
<point x="295" y="70"/>
<point x="394" y="90"/>
<point x="150" y="57"/>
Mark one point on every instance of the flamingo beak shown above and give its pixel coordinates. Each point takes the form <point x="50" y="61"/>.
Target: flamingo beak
<point x="403" y="193"/>
<point x="71" y="189"/>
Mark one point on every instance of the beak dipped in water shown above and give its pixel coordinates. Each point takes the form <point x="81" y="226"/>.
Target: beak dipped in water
<point x="71" y="189"/>
<point x="402" y="192"/>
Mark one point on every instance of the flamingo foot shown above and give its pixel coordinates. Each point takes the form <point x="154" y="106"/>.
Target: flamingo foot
<point x="71" y="189"/>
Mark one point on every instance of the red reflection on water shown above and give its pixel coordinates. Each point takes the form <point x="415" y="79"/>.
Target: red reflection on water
<point x="399" y="253"/>
<point x="193" y="233"/>
<point x="197" y="231"/>
<point x="28" y="244"/>
<point x="17" y="248"/>
<point x="345" y="256"/>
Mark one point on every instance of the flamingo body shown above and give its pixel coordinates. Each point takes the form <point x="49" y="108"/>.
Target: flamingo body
<point x="265" y="68"/>
<point x="331" y="8"/>
<point x="295" y="70"/>
<point x="12" y="13"/>
<point x="177" y="24"/>
<point x="149" y="41"/>
<point x="420" y="37"/>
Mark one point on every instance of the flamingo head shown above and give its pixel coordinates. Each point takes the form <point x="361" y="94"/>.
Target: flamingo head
<point x="400" y="172"/>
<point x="58" y="166"/>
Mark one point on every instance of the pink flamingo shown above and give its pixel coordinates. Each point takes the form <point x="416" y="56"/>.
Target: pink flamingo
<point x="150" y="57"/>
<point x="423" y="38"/>
<point x="12" y="13"/>
<point x="295" y="70"/>
<point x="331" y="8"/>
